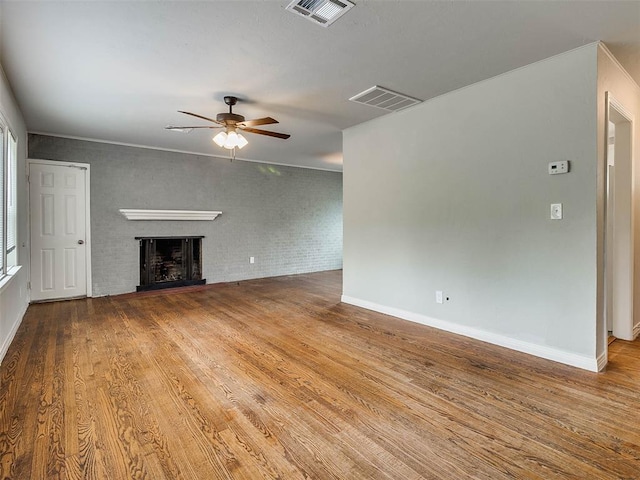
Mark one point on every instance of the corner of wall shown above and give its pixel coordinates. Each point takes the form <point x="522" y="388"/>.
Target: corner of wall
<point x="613" y="79"/>
<point x="604" y="50"/>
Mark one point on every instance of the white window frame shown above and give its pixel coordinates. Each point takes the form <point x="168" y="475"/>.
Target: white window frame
<point x="11" y="199"/>
<point x="3" y="197"/>
<point x="8" y="186"/>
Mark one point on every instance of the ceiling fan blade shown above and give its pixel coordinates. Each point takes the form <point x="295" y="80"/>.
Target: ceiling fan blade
<point x="173" y="127"/>
<point x="201" y="116"/>
<point x="266" y="132"/>
<point x="256" y="122"/>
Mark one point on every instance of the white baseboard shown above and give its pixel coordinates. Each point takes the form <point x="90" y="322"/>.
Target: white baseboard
<point x="12" y="333"/>
<point x="543" y="351"/>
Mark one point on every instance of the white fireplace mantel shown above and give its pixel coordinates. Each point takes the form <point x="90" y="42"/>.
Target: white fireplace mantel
<point x="142" y="214"/>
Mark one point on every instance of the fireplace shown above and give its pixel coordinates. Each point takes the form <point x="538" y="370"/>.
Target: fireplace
<point x="167" y="262"/>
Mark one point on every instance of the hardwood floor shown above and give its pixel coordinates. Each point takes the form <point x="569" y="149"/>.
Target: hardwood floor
<point x="275" y="378"/>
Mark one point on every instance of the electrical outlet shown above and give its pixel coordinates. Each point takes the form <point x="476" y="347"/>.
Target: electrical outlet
<point x="439" y="296"/>
<point x="556" y="211"/>
<point x="556" y="168"/>
<point x="252" y="260"/>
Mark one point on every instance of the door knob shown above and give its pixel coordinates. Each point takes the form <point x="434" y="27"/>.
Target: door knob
<point x="80" y="242"/>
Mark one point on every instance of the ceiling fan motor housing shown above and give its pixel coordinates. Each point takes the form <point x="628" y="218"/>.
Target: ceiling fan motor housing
<point x="229" y="118"/>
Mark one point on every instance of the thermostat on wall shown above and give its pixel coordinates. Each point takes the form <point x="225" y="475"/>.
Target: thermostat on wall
<point x="558" y="167"/>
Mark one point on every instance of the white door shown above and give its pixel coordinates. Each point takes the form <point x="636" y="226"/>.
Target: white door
<point x="57" y="196"/>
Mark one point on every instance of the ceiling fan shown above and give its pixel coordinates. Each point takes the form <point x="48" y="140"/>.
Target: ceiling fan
<point x="232" y="123"/>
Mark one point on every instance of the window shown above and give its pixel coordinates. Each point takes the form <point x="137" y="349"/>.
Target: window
<point x="12" y="197"/>
<point x="3" y="229"/>
<point x="8" y="198"/>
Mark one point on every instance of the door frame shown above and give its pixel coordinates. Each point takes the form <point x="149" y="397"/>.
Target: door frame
<point x="630" y="287"/>
<point x="87" y="169"/>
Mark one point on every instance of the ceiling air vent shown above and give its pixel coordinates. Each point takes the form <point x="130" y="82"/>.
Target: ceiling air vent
<point x="322" y="12"/>
<point x="383" y="98"/>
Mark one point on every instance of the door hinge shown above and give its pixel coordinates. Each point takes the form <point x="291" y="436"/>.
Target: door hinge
<point x="28" y="285"/>
<point x="28" y="179"/>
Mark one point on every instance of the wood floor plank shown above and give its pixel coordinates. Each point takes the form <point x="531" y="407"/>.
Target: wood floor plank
<point x="276" y="379"/>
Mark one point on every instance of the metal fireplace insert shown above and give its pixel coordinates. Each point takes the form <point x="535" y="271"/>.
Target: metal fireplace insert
<point x="167" y="262"/>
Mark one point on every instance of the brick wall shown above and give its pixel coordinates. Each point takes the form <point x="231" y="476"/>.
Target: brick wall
<point x="288" y="218"/>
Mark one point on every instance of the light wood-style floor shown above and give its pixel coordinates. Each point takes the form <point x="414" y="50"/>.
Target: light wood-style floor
<point x="275" y="378"/>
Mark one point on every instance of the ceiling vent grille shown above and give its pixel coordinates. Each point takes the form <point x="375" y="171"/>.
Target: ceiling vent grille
<point x="384" y="98"/>
<point x="321" y="12"/>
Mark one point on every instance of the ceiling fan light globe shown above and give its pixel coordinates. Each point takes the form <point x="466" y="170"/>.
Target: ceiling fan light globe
<point x="220" y="139"/>
<point x="242" y="141"/>
<point x="232" y="140"/>
<point x="232" y="136"/>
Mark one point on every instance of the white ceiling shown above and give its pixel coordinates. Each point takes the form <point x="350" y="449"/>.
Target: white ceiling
<point x="119" y="71"/>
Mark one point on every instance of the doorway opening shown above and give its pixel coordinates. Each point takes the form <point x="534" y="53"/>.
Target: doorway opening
<point x="619" y="224"/>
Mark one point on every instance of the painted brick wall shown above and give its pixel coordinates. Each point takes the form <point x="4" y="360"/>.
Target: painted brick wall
<point x="289" y="219"/>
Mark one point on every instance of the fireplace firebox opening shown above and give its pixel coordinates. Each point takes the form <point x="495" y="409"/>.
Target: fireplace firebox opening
<point x="167" y="262"/>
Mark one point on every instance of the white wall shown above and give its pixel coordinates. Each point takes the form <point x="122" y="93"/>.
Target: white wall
<point x="613" y="79"/>
<point x="454" y="195"/>
<point x="13" y="293"/>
